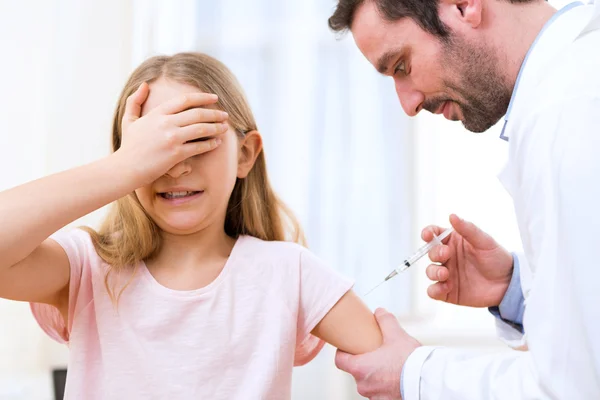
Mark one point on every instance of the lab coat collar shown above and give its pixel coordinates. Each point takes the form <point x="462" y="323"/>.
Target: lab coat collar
<point x="595" y="21"/>
<point x="503" y="134"/>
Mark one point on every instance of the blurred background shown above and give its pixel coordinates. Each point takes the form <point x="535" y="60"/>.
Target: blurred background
<point x="362" y="177"/>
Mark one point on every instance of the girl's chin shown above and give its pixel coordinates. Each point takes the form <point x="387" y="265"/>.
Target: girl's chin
<point x="181" y="226"/>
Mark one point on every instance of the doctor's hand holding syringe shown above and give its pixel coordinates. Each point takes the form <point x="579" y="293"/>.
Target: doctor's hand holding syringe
<point x="476" y="271"/>
<point x="469" y="267"/>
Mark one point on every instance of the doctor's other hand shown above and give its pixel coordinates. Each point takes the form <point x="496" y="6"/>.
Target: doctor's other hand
<point x="377" y="374"/>
<point x="475" y="271"/>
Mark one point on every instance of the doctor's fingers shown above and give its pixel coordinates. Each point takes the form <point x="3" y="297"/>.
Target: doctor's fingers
<point x="350" y="364"/>
<point x="440" y="253"/>
<point x="428" y="232"/>
<point x="439" y="291"/>
<point x="437" y="273"/>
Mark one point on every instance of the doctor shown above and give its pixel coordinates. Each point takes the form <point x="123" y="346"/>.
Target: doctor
<point x="478" y="61"/>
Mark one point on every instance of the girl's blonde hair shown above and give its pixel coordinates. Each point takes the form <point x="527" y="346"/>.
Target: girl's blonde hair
<point x="128" y="235"/>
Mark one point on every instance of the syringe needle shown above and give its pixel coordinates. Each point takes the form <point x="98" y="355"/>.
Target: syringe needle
<point x="379" y="284"/>
<point x="387" y="278"/>
<point x="421" y="252"/>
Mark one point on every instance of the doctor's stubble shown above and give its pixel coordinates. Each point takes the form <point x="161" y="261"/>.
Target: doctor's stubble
<point x="473" y="75"/>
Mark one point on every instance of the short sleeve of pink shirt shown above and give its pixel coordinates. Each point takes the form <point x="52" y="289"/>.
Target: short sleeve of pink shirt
<point x="77" y="244"/>
<point x="238" y="337"/>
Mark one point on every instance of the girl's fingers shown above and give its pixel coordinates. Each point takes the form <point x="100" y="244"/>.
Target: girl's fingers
<point x="202" y="131"/>
<point x="186" y="102"/>
<point x="133" y="105"/>
<point x="198" y="115"/>
<point x="200" y="147"/>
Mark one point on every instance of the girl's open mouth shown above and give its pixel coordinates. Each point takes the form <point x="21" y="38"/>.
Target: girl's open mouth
<point x="178" y="195"/>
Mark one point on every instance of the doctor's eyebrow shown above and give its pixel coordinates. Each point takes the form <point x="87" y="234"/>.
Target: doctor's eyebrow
<point x="383" y="62"/>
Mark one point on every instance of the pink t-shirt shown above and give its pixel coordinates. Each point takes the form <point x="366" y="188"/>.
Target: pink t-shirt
<point x="237" y="338"/>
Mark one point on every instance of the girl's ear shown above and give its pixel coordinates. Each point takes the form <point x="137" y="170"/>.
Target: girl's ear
<point x="251" y="146"/>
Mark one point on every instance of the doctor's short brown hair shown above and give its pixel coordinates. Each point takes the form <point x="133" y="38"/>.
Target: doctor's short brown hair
<point x="423" y="12"/>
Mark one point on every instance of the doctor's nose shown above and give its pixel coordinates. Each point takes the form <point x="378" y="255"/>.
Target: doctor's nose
<point x="410" y="99"/>
<point x="179" y="170"/>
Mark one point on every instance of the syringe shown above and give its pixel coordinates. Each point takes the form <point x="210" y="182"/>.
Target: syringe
<point x="415" y="257"/>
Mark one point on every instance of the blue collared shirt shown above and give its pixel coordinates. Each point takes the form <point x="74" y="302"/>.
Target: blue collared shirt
<point x="512" y="307"/>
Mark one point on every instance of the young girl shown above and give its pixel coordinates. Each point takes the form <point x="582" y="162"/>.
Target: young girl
<point x="188" y="290"/>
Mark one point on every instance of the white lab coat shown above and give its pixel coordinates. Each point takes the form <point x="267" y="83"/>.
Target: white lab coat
<point x="553" y="176"/>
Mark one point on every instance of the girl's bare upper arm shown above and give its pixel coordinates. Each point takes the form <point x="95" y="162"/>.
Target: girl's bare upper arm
<point x="42" y="277"/>
<point x="350" y="326"/>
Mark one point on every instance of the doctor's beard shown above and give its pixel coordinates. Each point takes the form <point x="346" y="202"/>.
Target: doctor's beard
<point x="476" y="84"/>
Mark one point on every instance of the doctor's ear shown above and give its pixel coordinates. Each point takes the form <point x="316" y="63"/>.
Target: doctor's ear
<point x="465" y="12"/>
<point x="250" y="147"/>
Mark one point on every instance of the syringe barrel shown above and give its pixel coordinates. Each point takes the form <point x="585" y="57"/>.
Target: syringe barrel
<point x="423" y="251"/>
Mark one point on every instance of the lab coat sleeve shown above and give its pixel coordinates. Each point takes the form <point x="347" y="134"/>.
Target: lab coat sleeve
<point x="456" y="374"/>
<point x="411" y="372"/>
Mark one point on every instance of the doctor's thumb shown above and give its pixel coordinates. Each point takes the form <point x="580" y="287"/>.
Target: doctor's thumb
<point x="470" y="232"/>
<point x="344" y="361"/>
<point x="389" y="325"/>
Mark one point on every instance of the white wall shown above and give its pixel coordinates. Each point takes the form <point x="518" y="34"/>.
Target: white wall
<point x="63" y="65"/>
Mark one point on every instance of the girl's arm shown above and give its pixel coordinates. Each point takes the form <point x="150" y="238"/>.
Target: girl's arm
<point x="36" y="269"/>
<point x="32" y="267"/>
<point x="350" y="326"/>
